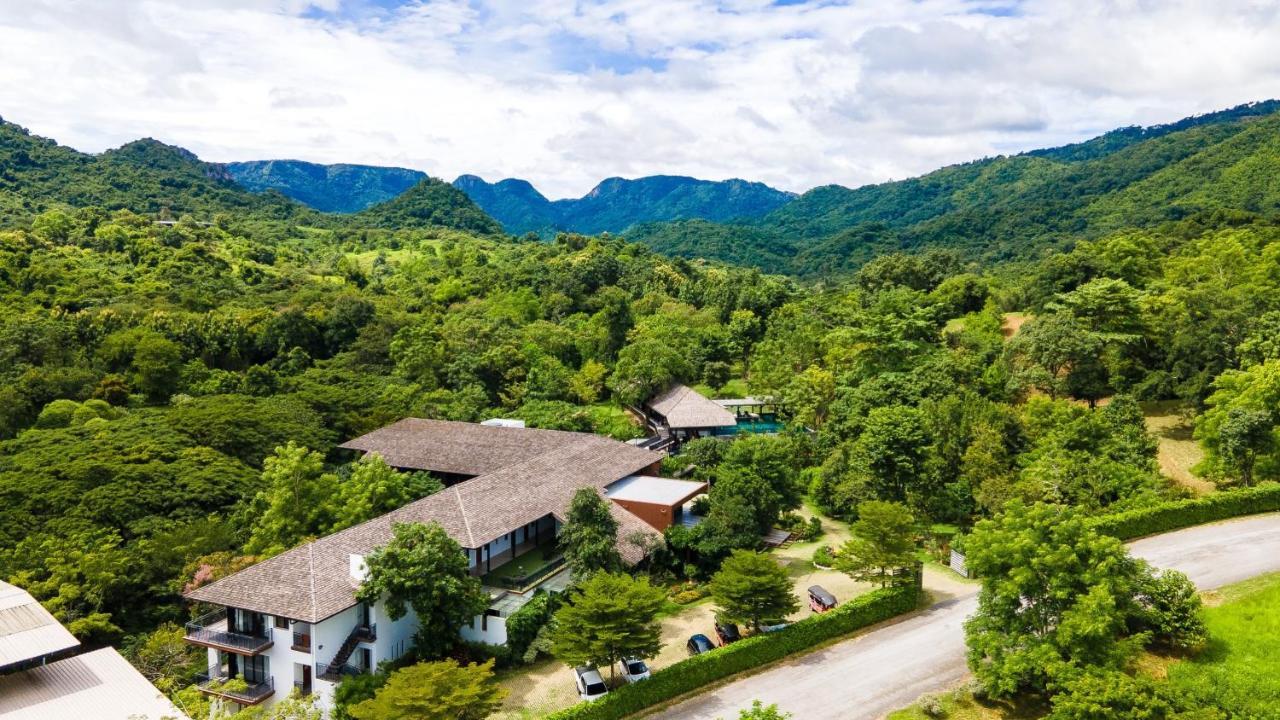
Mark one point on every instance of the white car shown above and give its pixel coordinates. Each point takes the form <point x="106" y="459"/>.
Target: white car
<point x="590" y="684"/>
<point x="634" y="670"/>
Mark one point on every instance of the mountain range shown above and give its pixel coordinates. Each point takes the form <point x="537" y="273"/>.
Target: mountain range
<point x="612" y="206"/>
<point x="1220" y="165"/>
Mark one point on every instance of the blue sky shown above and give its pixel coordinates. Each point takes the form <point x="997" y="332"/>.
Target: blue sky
<point x="795" y="94"/>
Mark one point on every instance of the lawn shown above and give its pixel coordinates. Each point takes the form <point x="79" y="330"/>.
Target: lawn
<point x="1240" y="670"/>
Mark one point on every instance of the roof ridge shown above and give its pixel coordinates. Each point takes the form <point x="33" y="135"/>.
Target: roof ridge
<point x="462" y="510"/>
<point x="311" y="575"/>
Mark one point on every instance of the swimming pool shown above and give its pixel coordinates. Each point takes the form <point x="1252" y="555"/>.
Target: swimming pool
<point x="762" y="424"/>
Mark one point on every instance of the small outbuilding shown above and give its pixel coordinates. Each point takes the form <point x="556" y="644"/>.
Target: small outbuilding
<point x="682" y="413"/>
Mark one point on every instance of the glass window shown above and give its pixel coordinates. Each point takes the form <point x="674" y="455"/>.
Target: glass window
<point x="282" y="622"/>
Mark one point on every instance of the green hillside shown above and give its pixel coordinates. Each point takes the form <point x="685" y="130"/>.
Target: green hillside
<point x="1015" y="207"/>
<point x="329" y="188"/>
<point x="148" y="176"/>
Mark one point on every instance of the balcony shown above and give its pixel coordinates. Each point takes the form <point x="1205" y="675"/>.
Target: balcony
<point x="333" y="672"/>
<point x="212" y="631"/>
<point x="236" y="689"/>
<point x="301" y="642"/>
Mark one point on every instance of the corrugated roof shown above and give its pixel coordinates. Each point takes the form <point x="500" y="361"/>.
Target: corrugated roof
<point x="683" y="407"/>
<point x="313" y="582"/>
<point x="99" y="685"/>
<point x="27" y="630"/>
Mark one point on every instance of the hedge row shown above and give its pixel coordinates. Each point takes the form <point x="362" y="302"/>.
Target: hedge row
<point x="1185" y="513"/>
<point x="701" y="670"/>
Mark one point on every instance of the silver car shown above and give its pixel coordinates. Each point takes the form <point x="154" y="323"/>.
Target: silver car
<point x="590" y="684"/>
<point x="634" y="670"/>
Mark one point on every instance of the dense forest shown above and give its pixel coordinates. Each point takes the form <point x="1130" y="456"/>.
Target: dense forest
<point x="170" y="342"/>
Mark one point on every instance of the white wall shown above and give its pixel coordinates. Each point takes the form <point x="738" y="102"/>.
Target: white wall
<point x="491" y="629"/>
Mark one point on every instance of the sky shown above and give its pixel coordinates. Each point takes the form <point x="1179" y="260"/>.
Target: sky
<point x="791" y="93"/>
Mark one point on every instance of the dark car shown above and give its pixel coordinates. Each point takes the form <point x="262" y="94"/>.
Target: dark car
<point x="820" y="600"/>
<point x="727" y="632"/>
<point x="699" y="644"/>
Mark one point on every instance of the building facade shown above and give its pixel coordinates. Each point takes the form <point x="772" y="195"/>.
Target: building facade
<point x="293" y="621"/>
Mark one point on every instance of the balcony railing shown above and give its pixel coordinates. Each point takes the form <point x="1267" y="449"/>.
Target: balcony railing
<point x="334" y="672"/>
<point x="367" y="633"/>
<point x="303" y="688"/>
<point x="236" y="688"/>
<point x="212" y="630"/>
<point x="302" y="642"/>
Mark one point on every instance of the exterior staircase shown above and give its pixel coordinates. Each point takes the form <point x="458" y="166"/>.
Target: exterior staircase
<point x="338" y="667"/>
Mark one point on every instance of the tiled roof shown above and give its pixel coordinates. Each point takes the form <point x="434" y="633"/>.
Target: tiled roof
<point x="312" y="582"/>
<point x="27" y="630"/>
<point x="458" y="448"/>
<point x="683" y="407"/>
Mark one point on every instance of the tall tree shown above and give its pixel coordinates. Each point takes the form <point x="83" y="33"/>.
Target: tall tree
<point x="610" y="617"/>
<point x="442" y="690"/>
<point x="883" y="541"/>
<point x="589" y="537"/>
<point x="424" y="569"/>
<point x="375" y="488"/>
<point x="752" y="588"/>
<point x="297" y="501"/>
<point x="1058" y="598"/>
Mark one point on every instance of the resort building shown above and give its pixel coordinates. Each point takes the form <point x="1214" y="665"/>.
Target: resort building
<point x="293" y="621"/>
<point x="36" y="685"/>
<point x="682" y="413"/>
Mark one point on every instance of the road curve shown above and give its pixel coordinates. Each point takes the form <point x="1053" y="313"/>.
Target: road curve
<point x="867" y="677"/>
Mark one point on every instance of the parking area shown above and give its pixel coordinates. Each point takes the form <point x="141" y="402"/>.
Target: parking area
<point x="548" y="685"/>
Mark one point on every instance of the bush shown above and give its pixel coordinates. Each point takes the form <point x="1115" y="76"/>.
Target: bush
<point x="688" y="592"/>
<point x="701" y="670"/>
<point x="1185" y="513"/>
<point x="57" y="414"/>
<point x="524" y="624"/>
<point x="822" y="557"/>
<point x="701" y="505"/>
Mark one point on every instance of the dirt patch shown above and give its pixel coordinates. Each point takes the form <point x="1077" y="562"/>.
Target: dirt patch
<point x="1012" y="323"/>
<point x="1178" y="451"/>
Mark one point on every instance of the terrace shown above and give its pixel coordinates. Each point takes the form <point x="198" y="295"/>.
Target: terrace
<point x="236" y="689"/>
<point x="212" y="630"/>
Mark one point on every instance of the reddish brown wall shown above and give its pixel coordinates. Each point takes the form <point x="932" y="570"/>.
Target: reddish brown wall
<point x="659" y="516"/>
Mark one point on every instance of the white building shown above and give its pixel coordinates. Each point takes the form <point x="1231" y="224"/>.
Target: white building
<point x="293" y="621"/>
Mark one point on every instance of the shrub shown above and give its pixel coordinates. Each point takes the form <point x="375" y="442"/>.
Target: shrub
<point x="57" y="414"/>
<point x="1185" y="513"/>
<point x="822" y="557"/>
<point x="701" y="505"/>
<point x="701" y="670"/>
<point x="524" y="624"/>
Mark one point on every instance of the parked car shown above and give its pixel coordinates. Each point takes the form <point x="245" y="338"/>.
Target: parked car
<point x="590" y="684"/>
<point x="774" y="628"/>
<point x="727" y="633"/>
<point x="820" y="600"/>
<point x="634" y="670"/>
<point x="699" y="644"/>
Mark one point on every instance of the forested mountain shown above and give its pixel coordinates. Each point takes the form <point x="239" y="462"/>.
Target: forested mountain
<point x="148" y="176"/>
<point x="617" y="204"/>
<point x="144" y="176"/>
<point x="1013" y="207"/>
<point x="328" y="188"/>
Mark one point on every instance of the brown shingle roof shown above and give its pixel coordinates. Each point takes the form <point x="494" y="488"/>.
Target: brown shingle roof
<point x="683" y="407"/>
<point x="459" y="448"/>
<point x="313" y="582"/>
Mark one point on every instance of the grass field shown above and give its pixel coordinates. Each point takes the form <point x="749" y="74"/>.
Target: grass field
<point x="1239" y="671"/>
<point x="1178" y="451"/>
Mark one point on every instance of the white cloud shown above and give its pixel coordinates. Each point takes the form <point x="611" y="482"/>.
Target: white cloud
<point x="565" y="93"/>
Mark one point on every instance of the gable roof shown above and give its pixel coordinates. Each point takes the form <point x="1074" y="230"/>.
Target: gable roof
<point x="683" y="407"/>
<point x="313" y="581"/>
<point x="458" y="448"/>
<point x="27" y="630"/>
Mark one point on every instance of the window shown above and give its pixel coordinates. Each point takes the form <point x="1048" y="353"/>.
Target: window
<point x="282" y="622"/>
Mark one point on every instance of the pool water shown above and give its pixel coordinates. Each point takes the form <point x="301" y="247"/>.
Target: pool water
<point x="767" y="424"/>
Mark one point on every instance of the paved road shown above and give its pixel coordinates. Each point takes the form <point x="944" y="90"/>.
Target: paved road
<point x="867" y="677"/>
